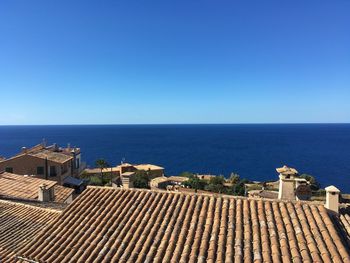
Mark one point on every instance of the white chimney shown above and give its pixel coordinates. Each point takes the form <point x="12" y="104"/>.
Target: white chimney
<point x="332" y="198"/>
<point x="287" y="177"/>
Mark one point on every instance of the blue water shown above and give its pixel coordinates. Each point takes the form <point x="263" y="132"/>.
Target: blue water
<point x="251" y="150"/>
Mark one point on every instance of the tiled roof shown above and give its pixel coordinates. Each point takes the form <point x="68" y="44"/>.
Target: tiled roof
<point x="19" y="224"/>
<point x="144" y="167"/>
<point x="21" y="186"/>
<point x="26" y="187"/>
<point x="109" y="225"/>
<point x="62" y="193"/>
<point x="52" y="156"/>
<point x="104" y="170"/>
<point x="162" y="179"/>
<point x="344" y="222"/>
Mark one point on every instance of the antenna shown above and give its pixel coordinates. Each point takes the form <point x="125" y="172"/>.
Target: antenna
<point x="123" y="160"/>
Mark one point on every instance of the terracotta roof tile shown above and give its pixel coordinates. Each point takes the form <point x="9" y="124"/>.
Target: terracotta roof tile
<point x="52" y="156"/>
<point x="26" y="187"/>
<point x="62" y="193"/>
<point x="109" y="225"/>
<point x="19" y="224"/>
<point x="21" y="186"/>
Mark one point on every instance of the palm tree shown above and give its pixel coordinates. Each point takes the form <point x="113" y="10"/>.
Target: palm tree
<point x="102" y="164"/>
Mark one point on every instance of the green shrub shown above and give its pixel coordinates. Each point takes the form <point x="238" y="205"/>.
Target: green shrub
<point x="141" y="180"/>
<point x="314" y="185"/>
<point x="95" y="180"/>
<point x="195" y="183"/>
<point x="186" y="174"/>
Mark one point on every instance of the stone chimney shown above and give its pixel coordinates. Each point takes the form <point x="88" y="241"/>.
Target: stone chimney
<point x="332" y="198"/>
<point x="45" y="194"/>
<point x="287" y="177"/>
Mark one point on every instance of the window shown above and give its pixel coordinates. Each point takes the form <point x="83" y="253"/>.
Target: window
<point x="40" y="170"/>
<point x="9" y="169"/>
<point x="53" y="171"/>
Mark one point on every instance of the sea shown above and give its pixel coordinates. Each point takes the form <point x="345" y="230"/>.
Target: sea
<point x="253" y="151"/>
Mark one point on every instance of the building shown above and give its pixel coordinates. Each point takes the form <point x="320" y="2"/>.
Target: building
<point x="127" y="172"/>
<point x="289" y="186"/>
<point x="116" y="225"/>
<point x="152" y="170"/>
<point x="163" y="182"/>
<point x="19" y="224"/>
<point x="114" y="171"/>
<point x="46" y="162"/>
<point x="19" y="187"/>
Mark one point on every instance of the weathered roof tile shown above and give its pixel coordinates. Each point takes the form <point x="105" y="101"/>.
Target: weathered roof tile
<point x="19" y="224"/>
<point x="109" y="225"/>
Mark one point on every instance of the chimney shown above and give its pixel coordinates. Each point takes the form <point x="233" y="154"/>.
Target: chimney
<point x="45" y="194"/>
<point x="332" y="198"/>
<point x="287" y="178"/>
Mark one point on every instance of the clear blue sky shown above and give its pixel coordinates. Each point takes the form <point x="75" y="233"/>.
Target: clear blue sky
<point x="86" y="62"/>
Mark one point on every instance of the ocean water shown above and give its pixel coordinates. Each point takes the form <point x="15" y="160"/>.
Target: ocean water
<point x="251" y="150"/>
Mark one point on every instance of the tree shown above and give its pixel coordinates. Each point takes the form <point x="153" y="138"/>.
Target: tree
<point x="195" y="183"/>
<point x="234" y="178"/>
<point x="216" y="184"/>
<point x="217" y="180"/>
<point x="141" y="179"/>
<point x="312" y="180"/>
<point x="102" y="164"/>
<point x="239" y="188"/>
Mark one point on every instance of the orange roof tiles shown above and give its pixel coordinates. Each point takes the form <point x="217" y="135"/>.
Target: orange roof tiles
<point x="21" y="186"/>
<point x="109" y="225"/>
<point x="26" y="187"/>
<point x="19" y="224"/>
<point x="62" y="193"/>
<point x="52" y="156"/>
<point x="344" y="222"/>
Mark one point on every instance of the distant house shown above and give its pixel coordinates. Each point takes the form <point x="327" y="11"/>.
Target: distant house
<point x="26" y="188"/>
<point x="163" y="182"/>
<point x="151" y="170"/>
<point x="127" y="171"/>
<point x="46" y="162"/>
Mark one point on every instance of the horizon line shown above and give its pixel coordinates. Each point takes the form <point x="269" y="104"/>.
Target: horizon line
<point x="135" y="124"/>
